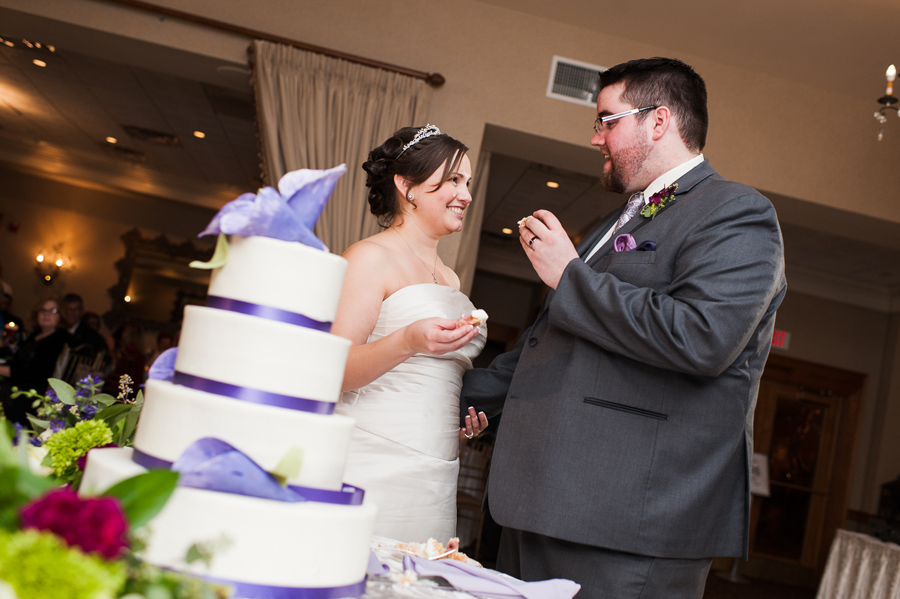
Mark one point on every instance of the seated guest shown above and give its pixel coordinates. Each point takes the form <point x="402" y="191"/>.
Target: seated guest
<point x="73" y="308"/>
<point x="13" y="327"/>
<point x="35" y="360"/>
<point x="92" y="319"/>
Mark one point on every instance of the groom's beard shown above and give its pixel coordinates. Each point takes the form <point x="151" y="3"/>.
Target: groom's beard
<point x="624" y="166"/>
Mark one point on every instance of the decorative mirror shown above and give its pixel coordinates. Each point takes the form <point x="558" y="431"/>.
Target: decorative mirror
<point x="156" y="283"/>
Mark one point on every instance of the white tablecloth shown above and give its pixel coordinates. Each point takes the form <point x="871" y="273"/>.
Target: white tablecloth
<point x="861" y="567"/>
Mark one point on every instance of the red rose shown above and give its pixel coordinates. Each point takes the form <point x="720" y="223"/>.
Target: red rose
<point x="94" y="524"/>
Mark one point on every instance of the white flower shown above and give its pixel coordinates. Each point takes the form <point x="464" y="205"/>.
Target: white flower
<point x="6" y="591"/>
<point x="34" y="456"/>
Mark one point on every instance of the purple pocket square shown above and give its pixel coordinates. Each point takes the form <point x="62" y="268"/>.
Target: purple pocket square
<point x="626" y="243"/>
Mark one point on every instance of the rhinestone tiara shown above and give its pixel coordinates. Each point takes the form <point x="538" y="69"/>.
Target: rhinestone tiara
<point x="426" y="131"/>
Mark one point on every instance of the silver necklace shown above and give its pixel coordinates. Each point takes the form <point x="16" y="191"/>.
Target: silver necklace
<point x="433" y="270"/>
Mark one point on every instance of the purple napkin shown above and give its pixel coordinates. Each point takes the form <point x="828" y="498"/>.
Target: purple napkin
<point x="624" y="243"/>
<point x="489" y="583"/>
<point x="375" y="567"/>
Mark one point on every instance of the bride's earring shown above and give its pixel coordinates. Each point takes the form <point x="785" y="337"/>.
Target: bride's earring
<point x="409" y="197"/>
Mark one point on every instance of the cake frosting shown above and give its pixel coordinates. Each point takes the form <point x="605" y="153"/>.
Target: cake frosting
<point x="258" y="372"/>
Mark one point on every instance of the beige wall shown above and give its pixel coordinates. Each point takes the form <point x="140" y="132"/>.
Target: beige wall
<point x="764" y="131"/>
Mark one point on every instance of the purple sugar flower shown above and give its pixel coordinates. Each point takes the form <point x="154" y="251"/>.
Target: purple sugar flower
<point x="288" y="213"/>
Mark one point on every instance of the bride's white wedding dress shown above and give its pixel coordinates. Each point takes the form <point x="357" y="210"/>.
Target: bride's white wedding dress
<point x="405" y="446"/>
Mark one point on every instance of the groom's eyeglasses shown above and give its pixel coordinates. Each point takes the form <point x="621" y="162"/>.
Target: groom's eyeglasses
<point x="602" y="120"/>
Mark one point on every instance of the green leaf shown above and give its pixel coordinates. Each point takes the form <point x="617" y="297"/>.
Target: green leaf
<point x="289" y="466"/>
<point x="219" y="258"/>
<point x="19" y="486"/>
<point x="64" y="391"/>
<point x="113" y="413"/>
<point x="130" y="425"/>
<point x="144" y="495"/>
<point x="39" y="426"/>
<point x="104" y="398"/>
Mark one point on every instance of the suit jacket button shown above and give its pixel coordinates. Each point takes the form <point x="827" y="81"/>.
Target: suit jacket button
<point x="532" y="342"/>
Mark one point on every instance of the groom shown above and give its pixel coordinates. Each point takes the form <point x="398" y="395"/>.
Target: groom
<point x="622" y="458"/>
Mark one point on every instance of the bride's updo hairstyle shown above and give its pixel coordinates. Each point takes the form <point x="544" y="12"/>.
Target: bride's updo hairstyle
<point x="414" y="153"/>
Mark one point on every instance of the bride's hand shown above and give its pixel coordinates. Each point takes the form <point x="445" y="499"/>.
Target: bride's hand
<point x="475" y="425"/>
<point x="437" y="336"/>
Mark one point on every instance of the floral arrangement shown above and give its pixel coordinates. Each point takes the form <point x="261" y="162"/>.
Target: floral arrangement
<point x="71" y="421"/>
<point x="56" y="544"/>
<point x="659" y="200"/>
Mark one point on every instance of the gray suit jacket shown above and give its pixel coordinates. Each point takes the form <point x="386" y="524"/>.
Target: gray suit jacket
<point x="628" y="405"/>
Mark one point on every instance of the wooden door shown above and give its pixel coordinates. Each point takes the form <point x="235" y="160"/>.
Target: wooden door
<point x="806" y="423"/>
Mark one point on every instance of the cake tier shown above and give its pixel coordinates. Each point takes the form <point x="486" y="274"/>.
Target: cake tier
<point x="280" y="274"/>
<point x="262" y="355"/>
<point x="272" y="543"/>
<point x="174" y="416"/>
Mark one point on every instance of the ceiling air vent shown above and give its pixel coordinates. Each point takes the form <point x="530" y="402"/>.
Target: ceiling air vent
<point x="574" y="81"/>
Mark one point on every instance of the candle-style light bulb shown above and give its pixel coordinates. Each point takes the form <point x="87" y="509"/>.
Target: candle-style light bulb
<point x="40" y="258"/>
<point x="891" y="75"/>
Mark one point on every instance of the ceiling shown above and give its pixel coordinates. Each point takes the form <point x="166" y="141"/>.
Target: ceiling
<point x="54" y="120"/>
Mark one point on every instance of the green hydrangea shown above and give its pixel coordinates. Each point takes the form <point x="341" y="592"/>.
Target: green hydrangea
<point x="67" y="445"/>
<point x="39" y="564"/>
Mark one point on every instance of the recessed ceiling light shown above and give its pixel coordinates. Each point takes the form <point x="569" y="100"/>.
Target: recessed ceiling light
<point x="506" y="231"/>
<point x="39" y="63"/>
<point x="112" y="140"/>
<point x="199" y="134"/>
<point x="552" y="184"/>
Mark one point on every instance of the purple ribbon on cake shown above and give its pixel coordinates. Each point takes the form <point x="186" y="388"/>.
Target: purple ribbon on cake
<point x="252" y="395"/>
<point x="249" y="590"/>
<point x="267" y="312"/>
<point x="214" y="465"/>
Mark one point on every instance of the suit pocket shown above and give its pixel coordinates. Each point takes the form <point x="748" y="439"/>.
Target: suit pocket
<point x="632" y="257"/>
<point x="623" y="408"/>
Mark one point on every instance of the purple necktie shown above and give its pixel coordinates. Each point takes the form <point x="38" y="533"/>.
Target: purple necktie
<point x="631" y="208"/>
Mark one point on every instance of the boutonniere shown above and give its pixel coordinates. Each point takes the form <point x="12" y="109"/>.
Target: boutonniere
<point x="659" y="200"/>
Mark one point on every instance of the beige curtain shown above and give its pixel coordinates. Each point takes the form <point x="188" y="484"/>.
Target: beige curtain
<point x="318" y="112"/>
<point x="471" y="233"/>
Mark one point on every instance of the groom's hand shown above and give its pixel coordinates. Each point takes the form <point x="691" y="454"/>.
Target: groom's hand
<point x="547" y="246"/>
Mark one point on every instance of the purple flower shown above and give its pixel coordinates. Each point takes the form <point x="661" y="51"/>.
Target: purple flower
<point x="87" y="410"/>
<point x="51" y="395"/>
<point x="57" y="424"/>
<point x="17" y="428"/>
<point x="288" y="213"/>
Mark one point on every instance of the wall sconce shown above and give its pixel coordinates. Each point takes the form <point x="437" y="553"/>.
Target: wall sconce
<point x="50" y="265"/>
<point x="889" y="101"/>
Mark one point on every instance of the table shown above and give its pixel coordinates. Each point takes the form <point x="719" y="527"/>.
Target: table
<point x="860" y="567"/>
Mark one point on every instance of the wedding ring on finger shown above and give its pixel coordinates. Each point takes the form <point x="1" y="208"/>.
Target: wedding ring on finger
<point x="468" y="436"/>
<point x="531" y="242"/>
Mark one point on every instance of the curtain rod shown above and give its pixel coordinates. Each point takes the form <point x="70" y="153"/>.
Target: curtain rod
<point x="434" y="79"/>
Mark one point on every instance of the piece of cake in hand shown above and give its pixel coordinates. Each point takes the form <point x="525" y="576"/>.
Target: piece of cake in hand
<point x="475" y="318"/>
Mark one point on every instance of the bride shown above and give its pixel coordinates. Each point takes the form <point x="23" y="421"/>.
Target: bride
<point x="400" y="306"/>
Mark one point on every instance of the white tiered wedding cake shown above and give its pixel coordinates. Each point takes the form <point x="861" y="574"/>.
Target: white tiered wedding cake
<point x="258" y="370"/>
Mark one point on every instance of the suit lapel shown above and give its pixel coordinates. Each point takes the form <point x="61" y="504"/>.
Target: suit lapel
<point x="685" y="184"/>
<point x="597" y="232"/>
